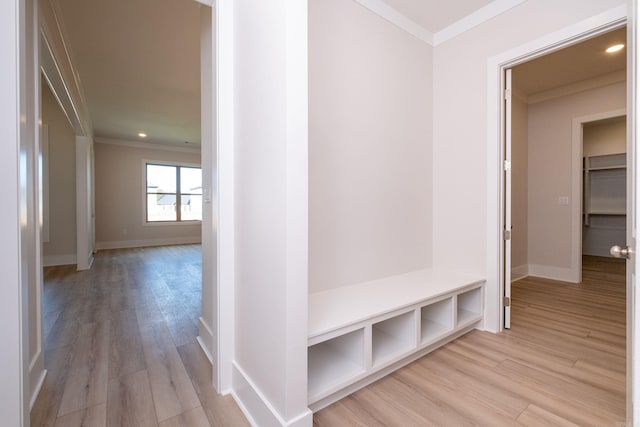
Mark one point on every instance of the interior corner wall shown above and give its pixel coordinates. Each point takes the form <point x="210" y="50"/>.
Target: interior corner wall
<point x="119" y="198"/>
<point x="550" y="130"/>
<point x="519" y="187"/>
<point x="460" y="121"/>
<point x="61" y="248"/>
<point x="370" y="147"/>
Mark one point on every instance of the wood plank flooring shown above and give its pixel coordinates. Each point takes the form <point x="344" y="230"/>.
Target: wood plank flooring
<point x="120" y="350"/>
<point x="561" y="364"/>
<point x="120" y="344"/>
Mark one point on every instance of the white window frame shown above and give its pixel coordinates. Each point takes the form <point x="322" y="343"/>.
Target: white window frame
<point x="146" y="223"/>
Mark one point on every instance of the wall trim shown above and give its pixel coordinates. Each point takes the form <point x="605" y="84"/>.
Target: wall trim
<point x="573" y="88"/>
<point x="519" y="272"/>
<point x="562" y="274"/>
<point x="480" y="16"/>
<point x="257" y="408"/>
<point x="205" y="339"/>
<point x="147" y="145"/>
<point x="168" y="241"/>
<point x="37" y="374"/>
<point x="398" y="19"/>
<point x="55" y="260"/>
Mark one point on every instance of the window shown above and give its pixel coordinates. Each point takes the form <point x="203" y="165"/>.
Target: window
<point x="174" y="193"/>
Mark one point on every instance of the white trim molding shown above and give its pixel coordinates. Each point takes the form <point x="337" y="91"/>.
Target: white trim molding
<point x="480" y="16"/>
<point x="561" y="274"/>
<point x="257" y="408"/>
<point x="55" y="260"/>
<point x="205" y="338"/>
<point x="147" y="145"/>
<point x="401" y="21"/>
<point x="519" y="272"/>
<point x="127" y="244"/>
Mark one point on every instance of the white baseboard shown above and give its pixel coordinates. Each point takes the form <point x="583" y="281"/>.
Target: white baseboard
<point x="597" y="251"/>
<point x="257" y="408"/>
<point x="37" y="374"/>
<point x="205" y="339"/>
<point x="125" y="244"/>
<point x="519" y="272"/>
<point x="54" y="260"/>
<point x="553" y="273"/>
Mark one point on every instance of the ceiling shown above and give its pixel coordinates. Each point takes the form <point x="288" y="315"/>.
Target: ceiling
<point x="435" y="15"/>
<point x="139" y="61"/>
<point x="139" y="65"/>
<point x="580" y="62"/>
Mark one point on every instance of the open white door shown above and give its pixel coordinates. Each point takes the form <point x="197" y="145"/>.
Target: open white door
<point x="507" y="199"/>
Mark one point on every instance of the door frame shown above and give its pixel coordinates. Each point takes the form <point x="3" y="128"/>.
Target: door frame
<point x="577" y="182"/>
<point x="496" y="66"/>
<point x="607" y="21"/>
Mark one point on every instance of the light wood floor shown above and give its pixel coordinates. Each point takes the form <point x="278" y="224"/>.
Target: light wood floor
<point x="561" y="364"/>
<point x="120" y="350"/>
<point x="120" y="345"/>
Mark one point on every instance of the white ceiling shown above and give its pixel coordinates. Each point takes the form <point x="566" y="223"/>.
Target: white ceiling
<point x="138" y="61"/>
<point x="580" y="62"/>
<point x="139" y="65"/>
<point x="435" y="15"/>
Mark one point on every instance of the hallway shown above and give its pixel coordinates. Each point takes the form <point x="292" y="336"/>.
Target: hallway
<point x="120" y="344"/>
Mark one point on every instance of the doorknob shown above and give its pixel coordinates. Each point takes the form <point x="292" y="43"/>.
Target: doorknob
<point x="618" y="252"/>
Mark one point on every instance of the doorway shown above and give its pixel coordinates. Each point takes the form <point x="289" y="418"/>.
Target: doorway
<point x="568" y="196"/>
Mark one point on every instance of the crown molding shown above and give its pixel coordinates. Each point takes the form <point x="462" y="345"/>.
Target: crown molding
<point x="401" y="21"/>
<point x="577" y="87"/>
<point x="146" y="145"/>
<point x="480" y="16"/>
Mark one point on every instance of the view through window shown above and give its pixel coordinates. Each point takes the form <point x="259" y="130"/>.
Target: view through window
<point x="174" y="193"/>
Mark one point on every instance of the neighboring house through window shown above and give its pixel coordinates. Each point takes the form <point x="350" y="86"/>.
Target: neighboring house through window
<point x="174" y="193"/>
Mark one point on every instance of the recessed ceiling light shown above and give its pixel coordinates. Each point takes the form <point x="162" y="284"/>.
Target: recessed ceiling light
<point x="615" y="48"/>
<point x="142" y="135"/>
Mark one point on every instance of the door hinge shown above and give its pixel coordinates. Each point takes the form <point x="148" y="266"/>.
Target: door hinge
<point x="507" y="165"/>
<point x="507" y="94"/>
<point x="506" y="235"/>
<point x="506" y="301"/>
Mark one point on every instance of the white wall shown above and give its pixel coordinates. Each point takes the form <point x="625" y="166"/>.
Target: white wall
<point x="608" y="137"/>
<point x="370" y="147"/>
<point x="460" y="121"/>
<point x="120" y="197"/>
<point x="519" y="187"/>
<point x="61" y="247"/>
<point x="550" y="130"/>
<point x="270" y="366"/>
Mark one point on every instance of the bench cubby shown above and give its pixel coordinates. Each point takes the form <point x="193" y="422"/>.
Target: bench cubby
<point x="359" y="333"/>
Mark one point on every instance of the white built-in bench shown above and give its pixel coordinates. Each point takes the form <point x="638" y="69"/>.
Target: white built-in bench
<point x="359" y="333"/>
